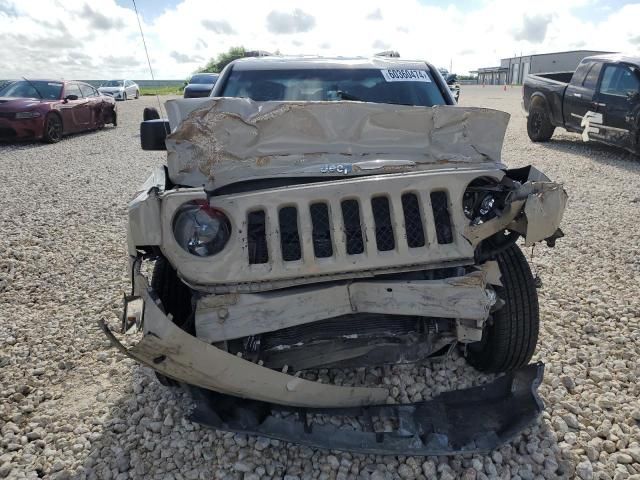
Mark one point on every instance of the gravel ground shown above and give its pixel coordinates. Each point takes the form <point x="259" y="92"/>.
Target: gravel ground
<point x="71" y="407"/>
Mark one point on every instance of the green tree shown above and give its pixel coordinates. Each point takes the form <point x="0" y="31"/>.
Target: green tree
<point x="215" y="65"/>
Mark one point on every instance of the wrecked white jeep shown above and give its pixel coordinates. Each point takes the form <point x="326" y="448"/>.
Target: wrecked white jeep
<point x="319" y="213"/>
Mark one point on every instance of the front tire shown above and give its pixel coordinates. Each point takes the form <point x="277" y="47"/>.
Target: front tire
<point x="176" y="301"/>
<point x="52" y="129"/>
<point x="174" y="294"/>
<point x="511" y="334"/>
<point x="124" y="97"/>
<point x="137" y="94"/>
<point x="539" y="125"/>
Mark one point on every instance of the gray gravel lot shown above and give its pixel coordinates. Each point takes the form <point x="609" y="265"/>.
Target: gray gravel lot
<point x="71" y="407"/>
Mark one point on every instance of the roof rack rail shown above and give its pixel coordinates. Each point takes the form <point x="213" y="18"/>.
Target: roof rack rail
<point x="257" y="53"/>
<point x="388" y="53"/>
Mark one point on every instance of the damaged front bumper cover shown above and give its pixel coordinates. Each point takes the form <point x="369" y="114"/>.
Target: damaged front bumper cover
<point x="237" y="395"/>
<point x="473" y="420"/>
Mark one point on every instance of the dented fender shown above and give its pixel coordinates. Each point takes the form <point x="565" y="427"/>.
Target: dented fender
<point x="144" y="226"/>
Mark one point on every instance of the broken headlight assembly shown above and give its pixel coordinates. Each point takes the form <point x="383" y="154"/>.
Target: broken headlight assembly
<point x="201" y="229"/>
<point x="483" y="200"/>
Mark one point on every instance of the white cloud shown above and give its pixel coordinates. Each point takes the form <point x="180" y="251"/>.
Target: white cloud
<point x="294" y="22"/>
<point x="79" y="39"/>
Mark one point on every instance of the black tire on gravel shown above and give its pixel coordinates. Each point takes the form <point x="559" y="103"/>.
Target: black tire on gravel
<point x="52" y="129"/>
<point x="176" y="300"/>
<point x="510" y="338"/>
<point x="539" y="125"/>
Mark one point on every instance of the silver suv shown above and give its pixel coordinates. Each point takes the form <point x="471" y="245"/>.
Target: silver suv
<point x="338" y="213"/>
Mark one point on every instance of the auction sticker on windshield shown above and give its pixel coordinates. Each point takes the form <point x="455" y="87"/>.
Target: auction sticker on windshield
<point x="405" y="75"/>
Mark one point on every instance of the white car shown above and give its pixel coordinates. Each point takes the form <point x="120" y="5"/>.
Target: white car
<point x="338" y="213"/>
<point x="120" y="89"/>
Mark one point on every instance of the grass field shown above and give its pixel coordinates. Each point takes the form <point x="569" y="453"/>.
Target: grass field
<point x="165" y="90"/>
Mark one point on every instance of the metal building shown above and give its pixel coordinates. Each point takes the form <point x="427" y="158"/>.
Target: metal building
<point x="514" y="69"/>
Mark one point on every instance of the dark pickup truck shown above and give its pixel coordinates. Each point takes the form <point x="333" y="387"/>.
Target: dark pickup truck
<point x="601" y="101"/>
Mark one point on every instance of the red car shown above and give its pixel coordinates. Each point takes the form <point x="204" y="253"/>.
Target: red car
<point x="48" y="109"/>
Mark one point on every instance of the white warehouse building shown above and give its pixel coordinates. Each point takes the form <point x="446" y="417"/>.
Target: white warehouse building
<point x="513" y="70"/>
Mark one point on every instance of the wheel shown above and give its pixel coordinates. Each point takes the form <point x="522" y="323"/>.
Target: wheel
<point x="176" y="300"/>
<point x="510" y="336"/>
<point x="124" y="97"/>
<point x="539" y="126"/>
<point x="174" y="294"/>
<point x="114" y="118"/>
<point x="137" y="94"/>
<point x="52" y="129"/>
<point x="150" y="113"/>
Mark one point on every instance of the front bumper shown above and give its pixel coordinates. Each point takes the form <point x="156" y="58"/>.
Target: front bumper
<point x="21" y="129"/>
<point x="114" y="94"/>
<point x="466" y="298"/>
<point x="182" y="357"/>
<point x="236" y="395"/>
<point x="473" y="420"/>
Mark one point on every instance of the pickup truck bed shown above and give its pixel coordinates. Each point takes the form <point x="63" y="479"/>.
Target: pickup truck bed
<point x="601" y="100"/>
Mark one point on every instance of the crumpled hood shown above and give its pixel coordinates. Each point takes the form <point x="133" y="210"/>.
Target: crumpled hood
<point x="222" y="140"/>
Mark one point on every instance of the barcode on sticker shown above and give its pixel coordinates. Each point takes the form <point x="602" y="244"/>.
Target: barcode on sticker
<point x="405" y="75"/>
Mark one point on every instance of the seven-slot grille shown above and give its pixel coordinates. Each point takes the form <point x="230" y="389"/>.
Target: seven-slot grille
<point x="409" y="226"/>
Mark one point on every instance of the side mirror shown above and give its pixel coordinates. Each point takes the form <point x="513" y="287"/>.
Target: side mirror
<point x="150" y="113"/>
<point x="153" y="133"/>
<point x="451" y="78"/>
<point x="71" y="97"/>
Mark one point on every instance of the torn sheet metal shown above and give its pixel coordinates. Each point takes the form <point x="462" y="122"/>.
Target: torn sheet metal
<point x="544" y="210"/>
<point x="544" y="207"/>
<point x="144" y="226"/>
<point x="542" y="201"/>
<point x="472" y="420"/>
<point x="224" y="139"/>
<point x="180" y="356"/>
<point x="225" y="317"/>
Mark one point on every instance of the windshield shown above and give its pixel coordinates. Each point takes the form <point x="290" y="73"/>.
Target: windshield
<point x="396" y="86"/>
<point x="32" y="89"/>
<point x="113" y="83"/>
<point x="203" y="79"/>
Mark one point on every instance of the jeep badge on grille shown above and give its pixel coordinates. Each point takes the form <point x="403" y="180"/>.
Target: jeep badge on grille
<point x="344" y="168"/>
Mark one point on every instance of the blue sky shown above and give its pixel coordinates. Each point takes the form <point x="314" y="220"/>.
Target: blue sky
<point x="91" y="40"/>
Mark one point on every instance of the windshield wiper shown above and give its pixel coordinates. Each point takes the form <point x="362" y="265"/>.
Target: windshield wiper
<point x="353" y="98"/>
<point x="34" y="87"/>
<point x="348" y="96"/>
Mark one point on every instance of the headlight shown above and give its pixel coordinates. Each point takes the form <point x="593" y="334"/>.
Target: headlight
<point x="483" y="200"/>
<point x="201" y="229"/>
<point x="22" y="115"/>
